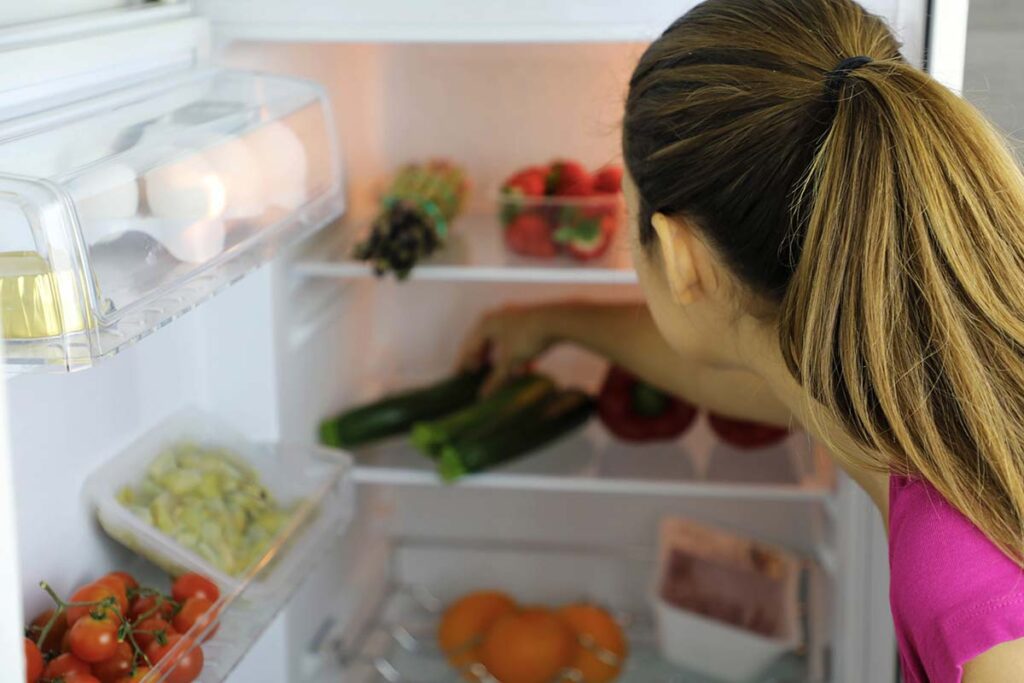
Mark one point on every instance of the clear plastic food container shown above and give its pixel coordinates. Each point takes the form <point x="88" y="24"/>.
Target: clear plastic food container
<point x="124" y="210"/>
<point x="310" y="483"/>
<point x="582" y="228"/>
<point x="741" y="602"/>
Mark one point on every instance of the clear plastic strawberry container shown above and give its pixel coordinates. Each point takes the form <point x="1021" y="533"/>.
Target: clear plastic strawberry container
<point x="581" y="228"/>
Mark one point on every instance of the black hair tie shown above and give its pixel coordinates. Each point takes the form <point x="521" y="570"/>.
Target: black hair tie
<point x="836" y="78"/>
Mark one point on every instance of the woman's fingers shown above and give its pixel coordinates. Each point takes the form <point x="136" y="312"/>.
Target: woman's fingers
<point x="474" y="350"/>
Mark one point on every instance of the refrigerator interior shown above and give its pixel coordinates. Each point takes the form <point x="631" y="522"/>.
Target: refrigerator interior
<point x="493" y="108"/>
<point x="306" y="337"/>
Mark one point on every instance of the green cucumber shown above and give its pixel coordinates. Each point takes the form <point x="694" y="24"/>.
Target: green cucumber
<point x="431" y="437"/>
<point x="397" y="413"/>
<point x="560" y="414"/>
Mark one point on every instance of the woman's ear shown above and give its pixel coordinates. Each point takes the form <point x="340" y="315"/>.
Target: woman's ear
<point x="679" y="259"/>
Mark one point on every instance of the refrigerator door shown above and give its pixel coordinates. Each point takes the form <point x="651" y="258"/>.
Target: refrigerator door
<point x="11" y="632"/>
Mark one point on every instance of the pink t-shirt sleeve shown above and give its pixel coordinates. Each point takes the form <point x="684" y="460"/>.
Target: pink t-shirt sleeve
<point x="954" y="595"/>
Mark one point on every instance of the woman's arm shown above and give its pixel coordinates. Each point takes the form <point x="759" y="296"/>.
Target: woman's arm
<point x="1002" y="664"/>
<point x="626" y="335"/>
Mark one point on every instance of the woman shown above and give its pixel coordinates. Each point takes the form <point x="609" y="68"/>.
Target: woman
<point x="826" y="235"/>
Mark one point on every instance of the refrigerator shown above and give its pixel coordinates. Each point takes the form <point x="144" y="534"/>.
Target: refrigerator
<point x="180" y="187"/>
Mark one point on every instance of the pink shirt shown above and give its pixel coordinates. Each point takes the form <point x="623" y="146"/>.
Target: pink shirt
<point x="953" y="593"/>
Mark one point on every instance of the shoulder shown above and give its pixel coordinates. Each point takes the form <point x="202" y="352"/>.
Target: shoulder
<point x="954" y="594"/>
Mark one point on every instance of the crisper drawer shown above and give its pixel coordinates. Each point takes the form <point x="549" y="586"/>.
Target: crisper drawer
<point x="123" y="211"/>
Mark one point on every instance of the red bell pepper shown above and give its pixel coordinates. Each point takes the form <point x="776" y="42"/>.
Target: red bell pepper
<point x="742" y="434"/>
<point x="635" y="411"/>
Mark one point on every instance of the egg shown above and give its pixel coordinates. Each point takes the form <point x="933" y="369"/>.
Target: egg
<point x="282" y="159"/>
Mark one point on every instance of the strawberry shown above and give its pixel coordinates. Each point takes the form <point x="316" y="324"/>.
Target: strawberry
<point x="529" y="234"/>
<point x="589" y="237"/>
<point x="608" y="180"/>
<point x="569" y="179"/>
<point x="530" y="182"/>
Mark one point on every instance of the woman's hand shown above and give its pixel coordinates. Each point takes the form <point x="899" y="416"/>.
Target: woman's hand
<point x="510" y="338"/>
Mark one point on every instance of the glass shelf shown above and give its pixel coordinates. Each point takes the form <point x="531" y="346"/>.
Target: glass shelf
<point x="698" y="465"/>
<point x="475" y="253"/>
<point x="397" y="642"/>
<point x="312" y="484"/>
<point x="123" y="211"/>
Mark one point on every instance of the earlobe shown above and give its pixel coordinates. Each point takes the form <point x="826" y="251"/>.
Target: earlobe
<point x="677" y="259"/>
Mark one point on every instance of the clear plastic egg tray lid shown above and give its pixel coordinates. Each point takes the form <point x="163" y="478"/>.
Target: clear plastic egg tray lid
<point x="122" y="211"/>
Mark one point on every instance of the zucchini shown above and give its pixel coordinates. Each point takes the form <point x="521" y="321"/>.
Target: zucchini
<point x="397" y="413"/>
<point x="532" y="428"/>
<point x="431" y="437"/>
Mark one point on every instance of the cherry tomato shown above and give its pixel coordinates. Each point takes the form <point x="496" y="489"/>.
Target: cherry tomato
<point x="140" y="673"/>
<point x="180" y="667"/>
<point x="194" y="586"/>
<point x="81" y="678"/>
<point x="33" y="662"/>
<point x="116" y="584"/>
<point x="93" y="640"/>
<point x="67" y="665"/>
<point x="53" y="640"/>
<point x="146" y="606"/>
<point x="92" y="593"/>
<point x="129" y="581"/>
<point x="118" y="666"/>
<point x="148" y="630"/>
<point x="65" y="642"/>
<point x="195" y="611"/>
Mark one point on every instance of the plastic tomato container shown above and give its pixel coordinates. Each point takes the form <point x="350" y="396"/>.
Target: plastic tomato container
<point x="725" y="606"/>
<point x="312" y="483"/>
<point x="545" y="227"/>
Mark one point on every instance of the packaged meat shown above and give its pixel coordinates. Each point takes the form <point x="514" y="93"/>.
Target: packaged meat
<point x="725" y="606"/>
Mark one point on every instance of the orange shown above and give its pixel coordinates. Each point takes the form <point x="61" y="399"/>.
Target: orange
<point x="465" y="623"/>
<point x="603" y="647"/>
<point x="531" y="645"/>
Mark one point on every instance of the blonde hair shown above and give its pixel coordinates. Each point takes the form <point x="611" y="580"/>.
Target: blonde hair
<point x="880" y="213"/>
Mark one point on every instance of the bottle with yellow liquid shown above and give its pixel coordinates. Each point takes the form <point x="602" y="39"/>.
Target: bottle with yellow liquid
<point x="37" y="302"/>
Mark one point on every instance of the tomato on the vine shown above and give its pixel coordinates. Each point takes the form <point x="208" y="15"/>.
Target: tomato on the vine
<point x="93" y="640"/>
<point x="146" y="606"/>
<point x="117" y="666"/>
<point x="116" y="584"/>
<point x="195" y="611"/>
<point x="67" y="665"/>
<point x="65" y="642"/>
<point x="92" y="593"/>
<point x="152" y="629"/>
<point x="180" y="667"/>
<point x="81" y="678"/>
<point x="129" y="581"/>
<point x="33" y="662"/>
<point x="194" y="586"/>
<point x="140" y="673"/>
<point x="53" y="639"/>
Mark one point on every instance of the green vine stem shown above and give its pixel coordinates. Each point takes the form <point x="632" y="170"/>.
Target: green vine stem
<point x="62" y="607"/>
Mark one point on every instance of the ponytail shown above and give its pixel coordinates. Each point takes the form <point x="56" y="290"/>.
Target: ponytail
<point x="878" y="212"/>
<point x="904" y="318"/>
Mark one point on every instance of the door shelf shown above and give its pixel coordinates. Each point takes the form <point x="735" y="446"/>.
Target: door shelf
<point x="397" y="640"/>
<point x="592" y="461"/>
<point x="125" y="210"/>
<point x="475" y="253"/>
<point x="312" y="486"/>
